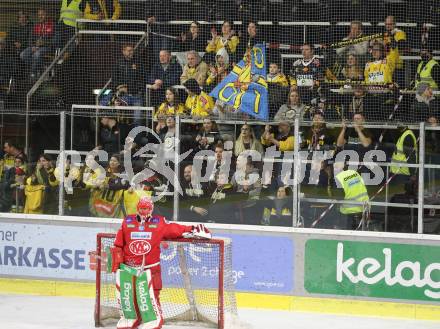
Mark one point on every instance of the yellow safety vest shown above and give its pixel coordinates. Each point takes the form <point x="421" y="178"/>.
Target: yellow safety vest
<point x="424" y="73"/>
<point x="354" y="189"/>
<point x="399" y="156"/>
<point x="70" y="12"/>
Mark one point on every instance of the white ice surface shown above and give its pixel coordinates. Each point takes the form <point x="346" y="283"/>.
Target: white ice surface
<point x="37" y="312"/>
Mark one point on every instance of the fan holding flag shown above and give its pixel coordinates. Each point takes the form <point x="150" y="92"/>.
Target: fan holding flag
<point x="245" y="88"/>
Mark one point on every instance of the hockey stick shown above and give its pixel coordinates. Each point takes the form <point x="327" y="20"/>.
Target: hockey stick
<point x="323" y="215"/>
<point x="391" y="116"/>
<point x="365" y="216"/>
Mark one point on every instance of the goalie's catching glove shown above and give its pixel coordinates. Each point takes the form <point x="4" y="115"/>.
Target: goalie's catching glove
<point x="198" y="232"/>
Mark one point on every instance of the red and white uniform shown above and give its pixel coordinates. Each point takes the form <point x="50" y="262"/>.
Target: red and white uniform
<point x="137" y="245"/>
<point x="143" y="240"/>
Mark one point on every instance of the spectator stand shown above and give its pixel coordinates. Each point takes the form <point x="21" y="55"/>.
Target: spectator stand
<point x="284" y="38"/>
<point x="118" y="27"/>
<point x="300" y="197"/>
<point x="94" y="29"/>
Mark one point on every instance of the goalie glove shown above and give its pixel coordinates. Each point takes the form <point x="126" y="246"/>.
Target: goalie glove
<point x="198" y="232"/>
<point x="117" y="257"/>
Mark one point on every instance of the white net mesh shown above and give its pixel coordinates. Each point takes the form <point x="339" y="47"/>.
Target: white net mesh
<point x="197" y="283"/>
<point x="324" y="61"/>
<point x="78" y="63"/>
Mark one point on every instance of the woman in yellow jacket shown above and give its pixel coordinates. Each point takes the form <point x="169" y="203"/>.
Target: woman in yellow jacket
<point x="227" y="40"/>
<point x="40" y="190"/>
<point x="171" y="105"/>
<point x="102" y="9"/>
<point x="106" y="200"/>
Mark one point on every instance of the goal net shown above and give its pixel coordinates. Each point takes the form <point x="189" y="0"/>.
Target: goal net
<point x="197" y="283"/>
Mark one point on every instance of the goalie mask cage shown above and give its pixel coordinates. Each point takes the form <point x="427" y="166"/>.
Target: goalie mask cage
<point x="197" y="281"/>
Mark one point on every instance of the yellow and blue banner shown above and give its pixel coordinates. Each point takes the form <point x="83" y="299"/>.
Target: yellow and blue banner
<point x="245" y="88"/>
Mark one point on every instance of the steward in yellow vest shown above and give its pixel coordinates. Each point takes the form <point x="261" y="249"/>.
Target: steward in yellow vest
<point x="405" y="152"/>
<point x="71" y="10"/>
<point x="428" y="70"/>
<point x="354" y="190"/>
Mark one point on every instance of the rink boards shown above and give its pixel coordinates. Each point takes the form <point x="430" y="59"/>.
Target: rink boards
<point x="365" y="273"/>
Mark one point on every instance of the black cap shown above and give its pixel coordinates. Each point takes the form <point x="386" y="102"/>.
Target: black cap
<point x="193" y="86"/>
<point x="426" y="47"/>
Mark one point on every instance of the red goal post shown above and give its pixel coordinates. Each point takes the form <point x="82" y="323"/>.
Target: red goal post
<point x="197" y="282"/>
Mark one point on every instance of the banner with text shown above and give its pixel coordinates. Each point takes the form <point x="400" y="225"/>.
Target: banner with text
<point x="62" y="253"/>
<point x="369" y="269"/>
<point x="259" y="263"/>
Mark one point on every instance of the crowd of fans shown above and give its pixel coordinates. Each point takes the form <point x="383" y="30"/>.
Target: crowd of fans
<point x="372" y="66"/>
<point x="369" y="70"/>
<point x="235" y="189"/>
<point x="373" y="69"/>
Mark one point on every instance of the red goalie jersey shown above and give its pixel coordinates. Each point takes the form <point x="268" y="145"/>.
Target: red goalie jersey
<point x="143" y="240"/>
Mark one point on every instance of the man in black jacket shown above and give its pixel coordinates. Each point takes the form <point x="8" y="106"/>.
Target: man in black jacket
<point x="127" y="74"/>
<point x="5" y="69"/>
<point x="195" y="198"/>
<point x="20" y="33"/>
<point x="163" y="75"/>
<point x="112" y="135"/>
<point x="127" y="83"/>
<point x="423" y="105"/>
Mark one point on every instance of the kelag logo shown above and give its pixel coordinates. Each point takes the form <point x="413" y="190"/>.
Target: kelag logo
<point x="372" y="269"/>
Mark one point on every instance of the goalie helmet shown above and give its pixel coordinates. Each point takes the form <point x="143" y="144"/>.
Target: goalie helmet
<point x="145" y="207"/>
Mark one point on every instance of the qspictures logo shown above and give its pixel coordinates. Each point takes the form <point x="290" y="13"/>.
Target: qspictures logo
<point x="165" y="160"/>
<point x="397" y="271"/>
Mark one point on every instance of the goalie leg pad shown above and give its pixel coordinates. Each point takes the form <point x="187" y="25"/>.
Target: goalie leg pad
<point x="149" y="307"/>
<point x="125" y="284"/>
<point x="127" y="294"/>
<point x="124" y="323"/>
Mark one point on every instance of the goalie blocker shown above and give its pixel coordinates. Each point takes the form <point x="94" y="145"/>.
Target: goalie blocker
<point x="136" y="259"/>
